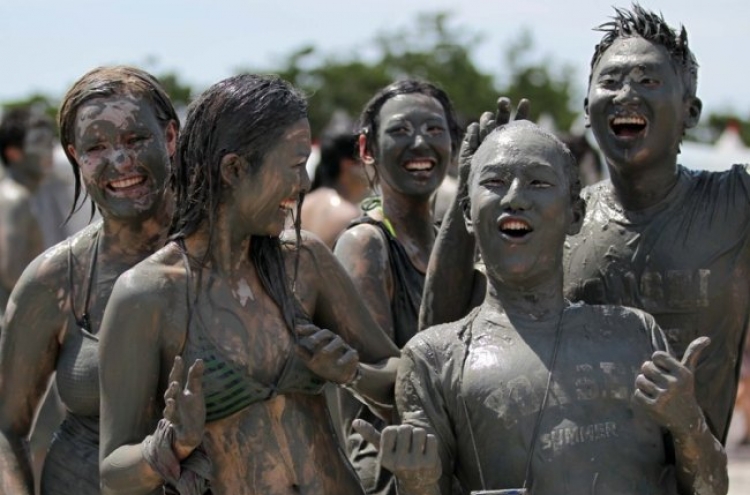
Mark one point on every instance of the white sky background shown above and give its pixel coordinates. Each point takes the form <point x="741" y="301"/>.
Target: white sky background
<point x="46" y="44"/>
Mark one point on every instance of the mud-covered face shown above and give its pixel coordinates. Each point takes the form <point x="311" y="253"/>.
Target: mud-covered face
<point x="520" y="206"/>
<point x="637" y="105"/>
<point x="124" y="155"/>
<point x="38" y="148"/>
<point x="413" y="144"/>
<point x="268" y="194"/>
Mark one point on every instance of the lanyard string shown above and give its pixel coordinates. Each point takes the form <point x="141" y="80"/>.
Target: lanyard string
<point x="535" y="434"/>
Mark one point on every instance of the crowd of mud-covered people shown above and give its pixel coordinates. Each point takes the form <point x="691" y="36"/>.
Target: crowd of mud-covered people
<point x="443" y="310"/>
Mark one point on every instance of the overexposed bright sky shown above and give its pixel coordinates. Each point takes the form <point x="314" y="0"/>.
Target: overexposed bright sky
<point x="46" y="44"/>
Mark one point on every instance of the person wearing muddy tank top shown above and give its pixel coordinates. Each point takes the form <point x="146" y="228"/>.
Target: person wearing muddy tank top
<point x="119" y="131"/>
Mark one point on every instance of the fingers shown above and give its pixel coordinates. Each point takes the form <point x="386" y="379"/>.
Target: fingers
<point x="647" y="387"/>
<point x="349" y="357"/>
<point x="306" y="329"/>
<point x="666" y="362"/>
<point x="418" y="440"/>
<point x="693" y="352"/>
<point x="195" y="378"/>
<point x="486" y="125"/>
<point x="312" y="343"/>
<point x="170" y="412"/>
<point x="368" y="432"/>
<point x="657" y="374"/>
<point x="523" y="110"/>
<point x="503" y="111"/>
<point x="176" y="374"/>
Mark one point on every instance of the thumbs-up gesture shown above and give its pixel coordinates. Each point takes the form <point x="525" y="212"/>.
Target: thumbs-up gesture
<point x="665" y="389"/>
<point x="409" y="452"/>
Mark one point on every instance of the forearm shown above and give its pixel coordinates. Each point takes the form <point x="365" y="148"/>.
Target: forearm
<point x="701" y="461"/>
<point x="126" y="471"/>
<point x="15" y="466"/>
<point x="450" y="272"/>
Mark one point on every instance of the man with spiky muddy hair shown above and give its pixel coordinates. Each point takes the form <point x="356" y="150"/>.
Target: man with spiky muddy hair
<point x="656" y="236"/>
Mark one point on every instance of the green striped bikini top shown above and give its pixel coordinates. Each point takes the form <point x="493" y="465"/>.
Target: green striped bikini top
<point x="227" y="386"/>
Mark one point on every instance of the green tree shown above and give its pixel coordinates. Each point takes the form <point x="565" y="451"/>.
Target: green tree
<point x="550" y="88"/>
<point x="436" y="50"/>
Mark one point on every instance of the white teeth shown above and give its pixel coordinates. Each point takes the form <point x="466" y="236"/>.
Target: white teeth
<point x="419" y="165"/>
<point x="629" y="120"/>
<point x="515" y="225"/>
<point x="123" y="183"/>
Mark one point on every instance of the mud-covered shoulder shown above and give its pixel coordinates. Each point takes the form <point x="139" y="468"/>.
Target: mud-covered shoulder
<point x="51" y="269"/>
<point x="438" y="344"/>
<point x="157" y="279"/>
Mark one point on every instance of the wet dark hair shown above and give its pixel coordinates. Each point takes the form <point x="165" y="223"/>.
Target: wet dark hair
<point x="15" y="124"/>
<point x="333" y="149"/>
<point x="104" y="82"/>
<point x="569" y="160"/>
<point x="247" y="115"/>
<point x="368" y="120"/>
<point x="652" y="27"/>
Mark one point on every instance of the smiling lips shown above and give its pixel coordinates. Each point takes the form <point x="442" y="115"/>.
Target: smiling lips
<point x="420" y="165"/>
<point x="288" y="204"/>
<point x="629" y="126"/>
<point x="127" y="182"/>
<point x="515" y="227"/>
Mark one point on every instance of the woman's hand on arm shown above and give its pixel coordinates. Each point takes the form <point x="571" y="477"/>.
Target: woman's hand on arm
<point x="28" y="352"/>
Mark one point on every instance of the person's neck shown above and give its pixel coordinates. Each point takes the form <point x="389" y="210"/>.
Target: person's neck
<point x="411" y="217"/>
<point x="643" y="188"/>
<point x="536" y="302"/>
<point x="226" y="250"/>
<point x="29" y="181"/>
<point x="133" y="241"/>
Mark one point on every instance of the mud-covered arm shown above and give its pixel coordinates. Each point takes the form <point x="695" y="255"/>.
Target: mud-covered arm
<point x="665" y="390"/>
<point x="129" y="352"/>
<point x="19" y="240"/>
<point x="451" y="280"/>
<point x="420" y="403"/>
<point x="28" y="351"/>
<point x="340" y="308"/>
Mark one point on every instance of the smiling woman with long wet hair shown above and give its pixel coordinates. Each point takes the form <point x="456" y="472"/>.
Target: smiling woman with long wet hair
<point x="119" y="131"/>
<point x="239" y="301"/>
<point x="409" y="135"/>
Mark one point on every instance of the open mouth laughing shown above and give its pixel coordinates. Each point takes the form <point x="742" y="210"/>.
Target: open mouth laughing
<point x="420" y="165"/>
<point x="628" y="126"/>
<point x="288" y="205"/>
<point x="127" y="183"/>
<point x="515" y="228"/>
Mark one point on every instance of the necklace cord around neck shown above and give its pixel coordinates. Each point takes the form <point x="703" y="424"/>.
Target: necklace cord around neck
<point x="535" y="434"/>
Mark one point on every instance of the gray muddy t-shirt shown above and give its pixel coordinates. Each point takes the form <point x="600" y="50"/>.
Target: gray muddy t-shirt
<point x="686" y="261"/>
<point x="591" y="439"/>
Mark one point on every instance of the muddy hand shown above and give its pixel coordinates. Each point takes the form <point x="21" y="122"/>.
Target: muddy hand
<point x="410" y="453"/>
<point x="326" y="354"/>
<point x="185" y="407"/>
<point x="666" y="388"/>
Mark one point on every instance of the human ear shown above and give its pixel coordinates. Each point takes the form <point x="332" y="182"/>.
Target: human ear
<point x="586" y="121"/>
<point x="232" y="169"/>
<point x="465" y="205"/>
<point x="365" y="155"/>
<point x="170" y="133"/>
<point x="578" y="212"/>
<point x="13" y="154"/>
<point x="72" y="152"/>
<point x="694" y="106"/>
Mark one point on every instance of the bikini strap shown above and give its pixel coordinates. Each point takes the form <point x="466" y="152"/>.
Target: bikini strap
<point x="85" y="320"/>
